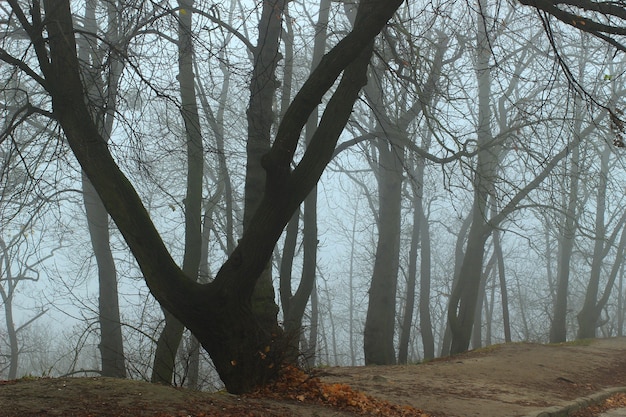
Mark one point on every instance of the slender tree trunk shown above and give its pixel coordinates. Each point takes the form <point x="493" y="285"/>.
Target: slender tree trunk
<point x="589" y="315"/>
<point x="558" y="328"/>
<point x="298" y="302"/>
<point x="428" y="339"/>
<point x="351" y="287"/>
<point x="295" y="314"/>
<point x="465" y="294"/>
<point x="617" y="264"/>
<point x="311" y="350"/>
<point x="286" y="262"/>
<point x="333" y="329"/>
<point x="111" y="342"/>
<point x="407" y="317"/>
<point x="620" y="302"/>
<point x="522" y="307"/>
<point x="458" y="261"/>
<point x="7" y="300"/>
<point x="8" y="287"/>
<point x="477" y="331"/>
<point x="489" y="307"/>
<point x="497" y="247"/>
<point x="171" y="335"/>
<point x="380" y="321"/>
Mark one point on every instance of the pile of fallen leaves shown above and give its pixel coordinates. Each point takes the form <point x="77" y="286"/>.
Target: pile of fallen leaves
<point x="614" y="401"/>
<point x="295" y="384"/>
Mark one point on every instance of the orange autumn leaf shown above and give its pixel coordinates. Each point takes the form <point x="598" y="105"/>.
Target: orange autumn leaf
<point x="295" y="384"/>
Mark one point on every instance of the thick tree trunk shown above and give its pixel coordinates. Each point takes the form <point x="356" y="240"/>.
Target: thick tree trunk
<point x="219" y="313"/>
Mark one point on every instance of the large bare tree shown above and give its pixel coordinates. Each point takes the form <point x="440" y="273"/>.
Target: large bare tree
<point x="220" y="313"/>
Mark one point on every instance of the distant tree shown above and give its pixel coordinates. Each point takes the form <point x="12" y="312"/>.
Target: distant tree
<point x="596" y="299"/>
<point x="170" y="337"/>
<point x="102" y="85"/>
<point x="394" y="116"/>
<point x="294" y="303"/>
<point x="20" y="261"/>
<point x="488" y="176"/>
<point x="565" y="244"/>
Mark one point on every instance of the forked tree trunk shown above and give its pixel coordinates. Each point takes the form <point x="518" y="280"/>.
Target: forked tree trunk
<point x="219" y="313"/>
<point x="589" y="315"/>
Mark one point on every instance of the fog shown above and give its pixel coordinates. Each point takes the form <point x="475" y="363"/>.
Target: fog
<point x="474" y="194"/>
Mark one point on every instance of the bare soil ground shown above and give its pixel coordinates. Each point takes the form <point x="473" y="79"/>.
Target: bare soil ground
<point x="505" y="380"/>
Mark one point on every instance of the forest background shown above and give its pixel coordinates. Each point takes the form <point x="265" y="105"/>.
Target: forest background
<point x="474" y="197"/>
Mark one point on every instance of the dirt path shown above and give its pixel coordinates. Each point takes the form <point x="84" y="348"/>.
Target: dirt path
<point x="506" y="380"/>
